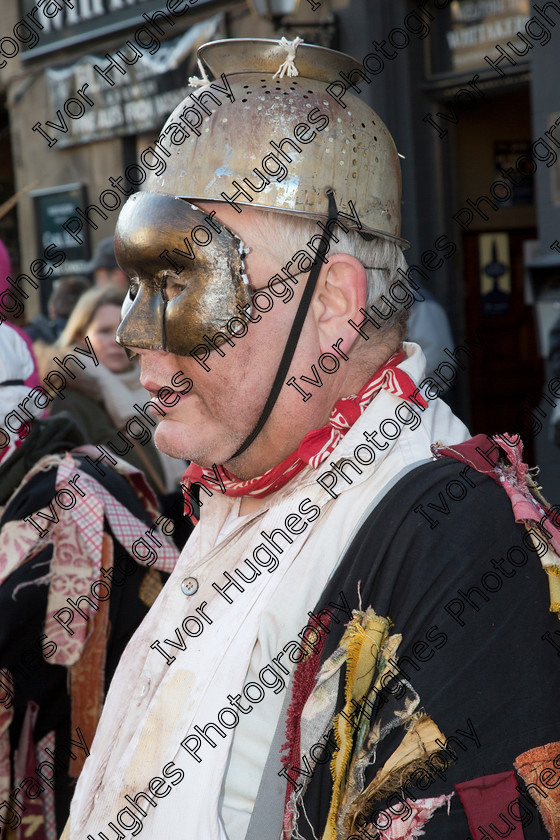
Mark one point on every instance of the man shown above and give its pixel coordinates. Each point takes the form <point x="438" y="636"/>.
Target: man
<point x="319" y="664"/>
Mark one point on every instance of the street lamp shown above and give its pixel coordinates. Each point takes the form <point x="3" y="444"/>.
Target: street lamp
<point x="318" y="30"/>
<point x="273" y="9"/>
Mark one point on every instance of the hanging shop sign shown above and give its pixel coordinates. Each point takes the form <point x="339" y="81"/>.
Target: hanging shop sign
<point x="134" y="101"/>
<point x="52" y="206"/>
<point x="66" y="23"/>
<point x="468" y="30"/>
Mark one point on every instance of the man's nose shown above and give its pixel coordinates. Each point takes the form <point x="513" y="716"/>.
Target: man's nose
<point x="143" y="322"/>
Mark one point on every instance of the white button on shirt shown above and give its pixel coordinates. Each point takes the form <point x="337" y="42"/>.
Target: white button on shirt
<point x="189" y="586"/>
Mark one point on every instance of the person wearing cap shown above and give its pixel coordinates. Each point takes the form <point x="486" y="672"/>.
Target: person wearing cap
<point x="351" y="643"/>
<point x="105" y="268"/>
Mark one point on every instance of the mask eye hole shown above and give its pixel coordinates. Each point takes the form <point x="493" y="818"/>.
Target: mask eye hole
<point x="172" y="285"/>
<point x="133" y="287"/>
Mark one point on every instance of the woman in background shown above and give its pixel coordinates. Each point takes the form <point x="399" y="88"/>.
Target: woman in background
<point x="102" y="402"/>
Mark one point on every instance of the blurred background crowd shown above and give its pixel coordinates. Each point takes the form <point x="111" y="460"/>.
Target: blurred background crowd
<point x="81" y="555"/>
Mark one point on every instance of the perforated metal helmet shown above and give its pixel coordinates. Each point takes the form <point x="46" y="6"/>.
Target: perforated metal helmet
<point x="279" y="143"/>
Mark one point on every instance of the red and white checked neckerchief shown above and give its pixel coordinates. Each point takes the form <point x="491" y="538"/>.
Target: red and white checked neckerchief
<point x="318" y="444"/>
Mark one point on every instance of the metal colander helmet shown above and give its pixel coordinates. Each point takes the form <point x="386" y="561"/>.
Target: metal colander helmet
<point x="279" y="142"/>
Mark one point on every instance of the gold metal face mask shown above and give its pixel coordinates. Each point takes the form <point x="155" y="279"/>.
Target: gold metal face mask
<point x="186" y="271"/>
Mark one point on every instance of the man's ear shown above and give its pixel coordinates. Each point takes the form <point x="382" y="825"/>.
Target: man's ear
<point x="341" y="293"/>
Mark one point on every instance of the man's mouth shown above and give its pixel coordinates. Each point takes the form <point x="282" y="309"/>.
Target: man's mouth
<point x="167" y="398"/>
<point x="152" y="387"/>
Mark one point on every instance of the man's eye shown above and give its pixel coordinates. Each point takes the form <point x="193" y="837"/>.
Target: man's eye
<point x="172" y="286"/>
<point x="134" y="285"/>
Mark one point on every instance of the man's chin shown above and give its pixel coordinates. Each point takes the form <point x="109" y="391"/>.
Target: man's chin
<point x="176" y="440"/>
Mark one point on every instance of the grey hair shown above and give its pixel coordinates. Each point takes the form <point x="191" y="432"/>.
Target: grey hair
<point x="380" y="257"/>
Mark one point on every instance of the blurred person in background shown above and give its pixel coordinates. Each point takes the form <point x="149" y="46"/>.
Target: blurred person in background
<point x="11" y="309"/>
<point x="102" y="400"/>
<point x="65" y="294"/>
<point x="67" y="535"/>
<point x="44" y="330"/>
<point x="105" y="268"/>
<point x="428" y="326"/>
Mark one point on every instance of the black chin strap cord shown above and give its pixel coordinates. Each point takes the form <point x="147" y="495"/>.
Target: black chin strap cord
<point x="296" y="329"/>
